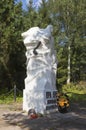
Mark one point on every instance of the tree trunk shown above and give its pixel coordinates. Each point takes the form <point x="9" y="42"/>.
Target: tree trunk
<point x="68" y="79"/>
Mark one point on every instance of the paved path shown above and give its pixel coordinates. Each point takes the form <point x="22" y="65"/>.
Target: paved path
<point x="17" y="120"/>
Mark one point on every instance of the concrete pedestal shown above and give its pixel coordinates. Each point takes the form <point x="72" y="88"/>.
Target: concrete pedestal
<point x="39" y="100"/>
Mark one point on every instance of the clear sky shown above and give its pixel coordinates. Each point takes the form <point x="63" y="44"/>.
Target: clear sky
<point x="24" y="2"/>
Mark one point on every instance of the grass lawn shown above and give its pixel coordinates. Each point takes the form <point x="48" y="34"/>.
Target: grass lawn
<point x="10" y="99"/>
<point x="75" y="92"/>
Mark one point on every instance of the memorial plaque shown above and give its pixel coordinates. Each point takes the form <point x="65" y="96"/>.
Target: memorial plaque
<point x="48" y="94"/>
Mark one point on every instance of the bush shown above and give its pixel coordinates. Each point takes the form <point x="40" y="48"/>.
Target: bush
<point x="76" y="92"/>
<point x="81" y="87"/>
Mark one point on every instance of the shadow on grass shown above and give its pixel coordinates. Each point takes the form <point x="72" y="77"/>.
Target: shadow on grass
<point x="80" y="98"/>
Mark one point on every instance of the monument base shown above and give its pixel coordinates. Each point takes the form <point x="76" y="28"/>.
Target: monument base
<point x="40" y="100"/>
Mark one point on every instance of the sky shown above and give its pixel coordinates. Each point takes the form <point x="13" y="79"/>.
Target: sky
<point x="24" y="4"/>
<point x="36" y="3"/>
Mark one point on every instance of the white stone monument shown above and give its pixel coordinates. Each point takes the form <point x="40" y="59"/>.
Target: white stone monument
<point x="40" y="83"/>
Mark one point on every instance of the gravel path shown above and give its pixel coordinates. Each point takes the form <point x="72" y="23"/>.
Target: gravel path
<point x="15" y="119"/>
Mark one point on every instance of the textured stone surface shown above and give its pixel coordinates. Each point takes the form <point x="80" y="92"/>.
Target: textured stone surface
<point x="41" y="69"/>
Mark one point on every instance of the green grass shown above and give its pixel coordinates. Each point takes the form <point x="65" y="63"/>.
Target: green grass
<point x="77" y="96"/>
<point x="9" y="99"/>
<point x="76" y="92"/>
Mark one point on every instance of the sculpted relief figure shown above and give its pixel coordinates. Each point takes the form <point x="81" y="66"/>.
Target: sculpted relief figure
<point x="41" y="59"/>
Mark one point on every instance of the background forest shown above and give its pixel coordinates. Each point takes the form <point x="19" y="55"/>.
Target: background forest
<point x="68" y="18"/>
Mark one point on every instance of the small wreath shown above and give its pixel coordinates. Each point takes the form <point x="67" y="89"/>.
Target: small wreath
<point x="62" y="102"/>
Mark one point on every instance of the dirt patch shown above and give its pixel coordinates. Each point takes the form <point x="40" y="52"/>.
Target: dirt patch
<point x="15" y="119"/>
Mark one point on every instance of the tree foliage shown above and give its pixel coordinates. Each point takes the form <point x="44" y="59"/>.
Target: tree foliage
<point x="69" y="17"/>
<point x="69" y="22"/>
<point x="11" y="47"/>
